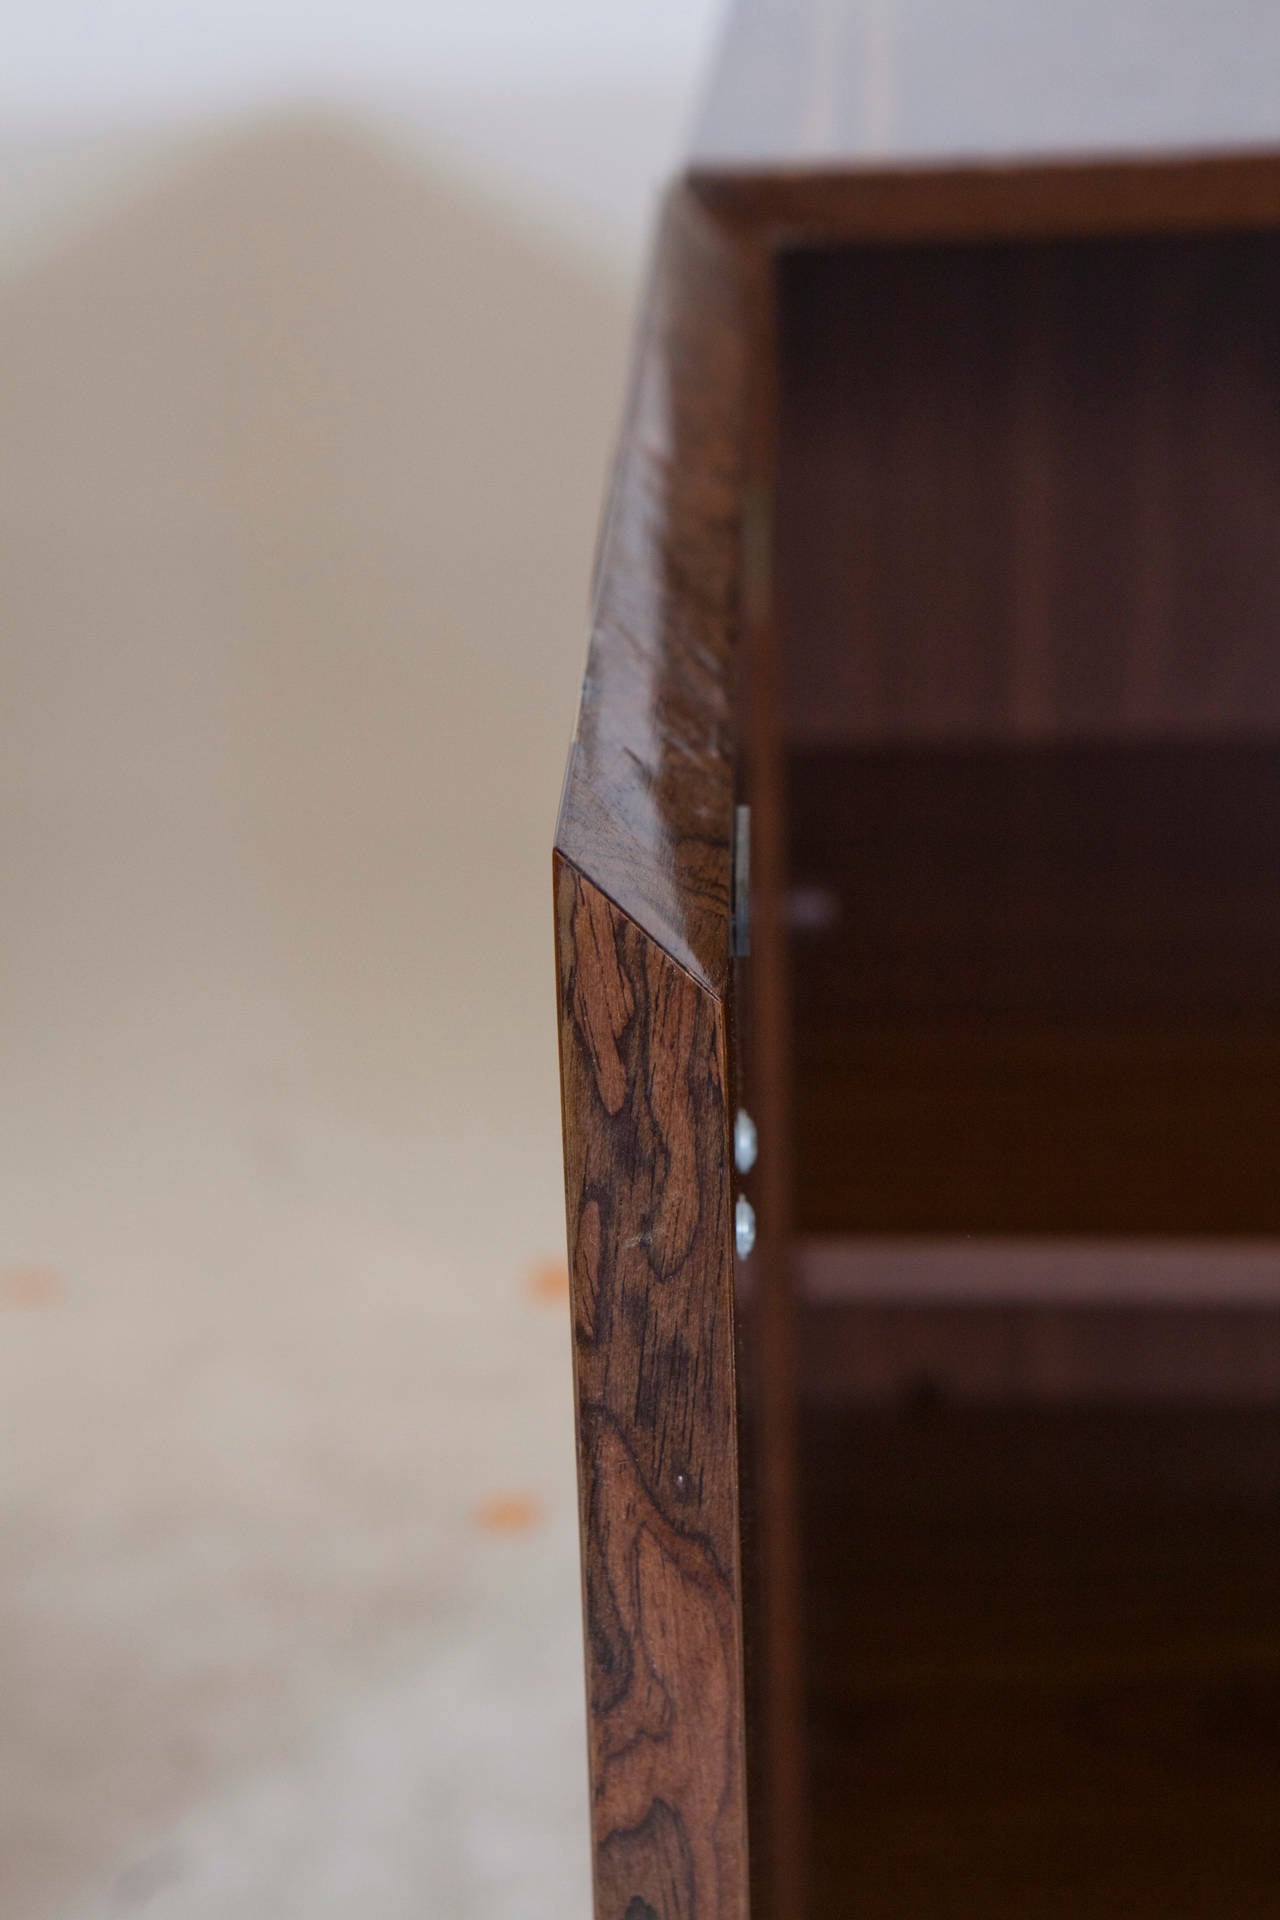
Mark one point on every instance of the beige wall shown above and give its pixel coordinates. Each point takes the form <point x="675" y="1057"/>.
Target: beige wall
<point x="301" y="442"/>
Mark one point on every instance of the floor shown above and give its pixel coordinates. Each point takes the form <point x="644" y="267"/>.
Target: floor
<point x="300" y="449"/>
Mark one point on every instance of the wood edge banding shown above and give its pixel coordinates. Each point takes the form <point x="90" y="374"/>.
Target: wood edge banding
<point x="649" y="1207"/>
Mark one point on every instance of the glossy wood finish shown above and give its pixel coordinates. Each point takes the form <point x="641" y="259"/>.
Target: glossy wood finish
<point x="670" y="1432"/>
<point x="648" y="797"/>
<point x="837" y="121"/>
<point x="1040" y="199"/>
<point x="978" y="421"/>
<point x="650" y="1210"/>
<point x="841" y="85"/>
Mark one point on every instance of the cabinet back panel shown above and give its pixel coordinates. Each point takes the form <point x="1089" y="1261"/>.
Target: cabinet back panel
<point x="1042" y="992"/>
<point x="1031" y="490"/>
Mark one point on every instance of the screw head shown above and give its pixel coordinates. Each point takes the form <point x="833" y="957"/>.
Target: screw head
<point x="745" y="1144"/>
<point x="744" y="1226"/>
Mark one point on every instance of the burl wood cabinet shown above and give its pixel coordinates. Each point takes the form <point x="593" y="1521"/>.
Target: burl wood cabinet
<point x="917" y="893"/>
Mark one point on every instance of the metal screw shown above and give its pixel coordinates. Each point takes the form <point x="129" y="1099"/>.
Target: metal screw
<point x="744" y="1226"/>
<point x="745" y="1145"/>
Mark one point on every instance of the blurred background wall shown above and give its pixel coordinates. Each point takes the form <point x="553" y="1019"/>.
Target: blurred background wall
<point x="313" y="323"/>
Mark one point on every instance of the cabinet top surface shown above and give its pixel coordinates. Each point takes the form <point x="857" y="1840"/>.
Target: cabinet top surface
<point x="921" y="84"/>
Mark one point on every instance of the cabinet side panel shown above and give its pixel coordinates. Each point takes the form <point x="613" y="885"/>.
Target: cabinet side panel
<point x="649" y="1203"/>
<point x="647" y="807"/>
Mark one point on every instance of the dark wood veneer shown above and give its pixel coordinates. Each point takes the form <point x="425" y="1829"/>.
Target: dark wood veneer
<point x="1045" y="997"/>
<point x="648" y="798"/>
<point x="646" y="1170"/>
<point x="651" y="1051"/>
<point x="1031" y="490"/>
<point x="942" y="532"/>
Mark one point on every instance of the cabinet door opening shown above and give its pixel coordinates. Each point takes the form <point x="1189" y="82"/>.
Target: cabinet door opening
<point x="1029" y="607"/>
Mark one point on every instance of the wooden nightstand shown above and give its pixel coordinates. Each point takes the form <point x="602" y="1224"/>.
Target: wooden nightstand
<point x="918" y="920"/>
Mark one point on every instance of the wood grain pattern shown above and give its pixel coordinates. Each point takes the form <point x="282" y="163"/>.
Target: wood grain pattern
<point x="834" y="126"/>
<point x="645" y="827"/>
<point x="1031" y="490"/>
<point x="838" y="121"/>
<point x="1045" y="1660"/>
<point x="643" y="1060"/>
<point x="648" y="797"/>
<point x="1033" y="200"/>
<point x="912" y="84"/>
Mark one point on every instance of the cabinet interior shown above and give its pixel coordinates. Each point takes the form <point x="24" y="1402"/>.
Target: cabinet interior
<point x="1028" y="601"/>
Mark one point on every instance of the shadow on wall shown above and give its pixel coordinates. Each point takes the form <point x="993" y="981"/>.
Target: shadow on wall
<point x="300" y="458"/>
